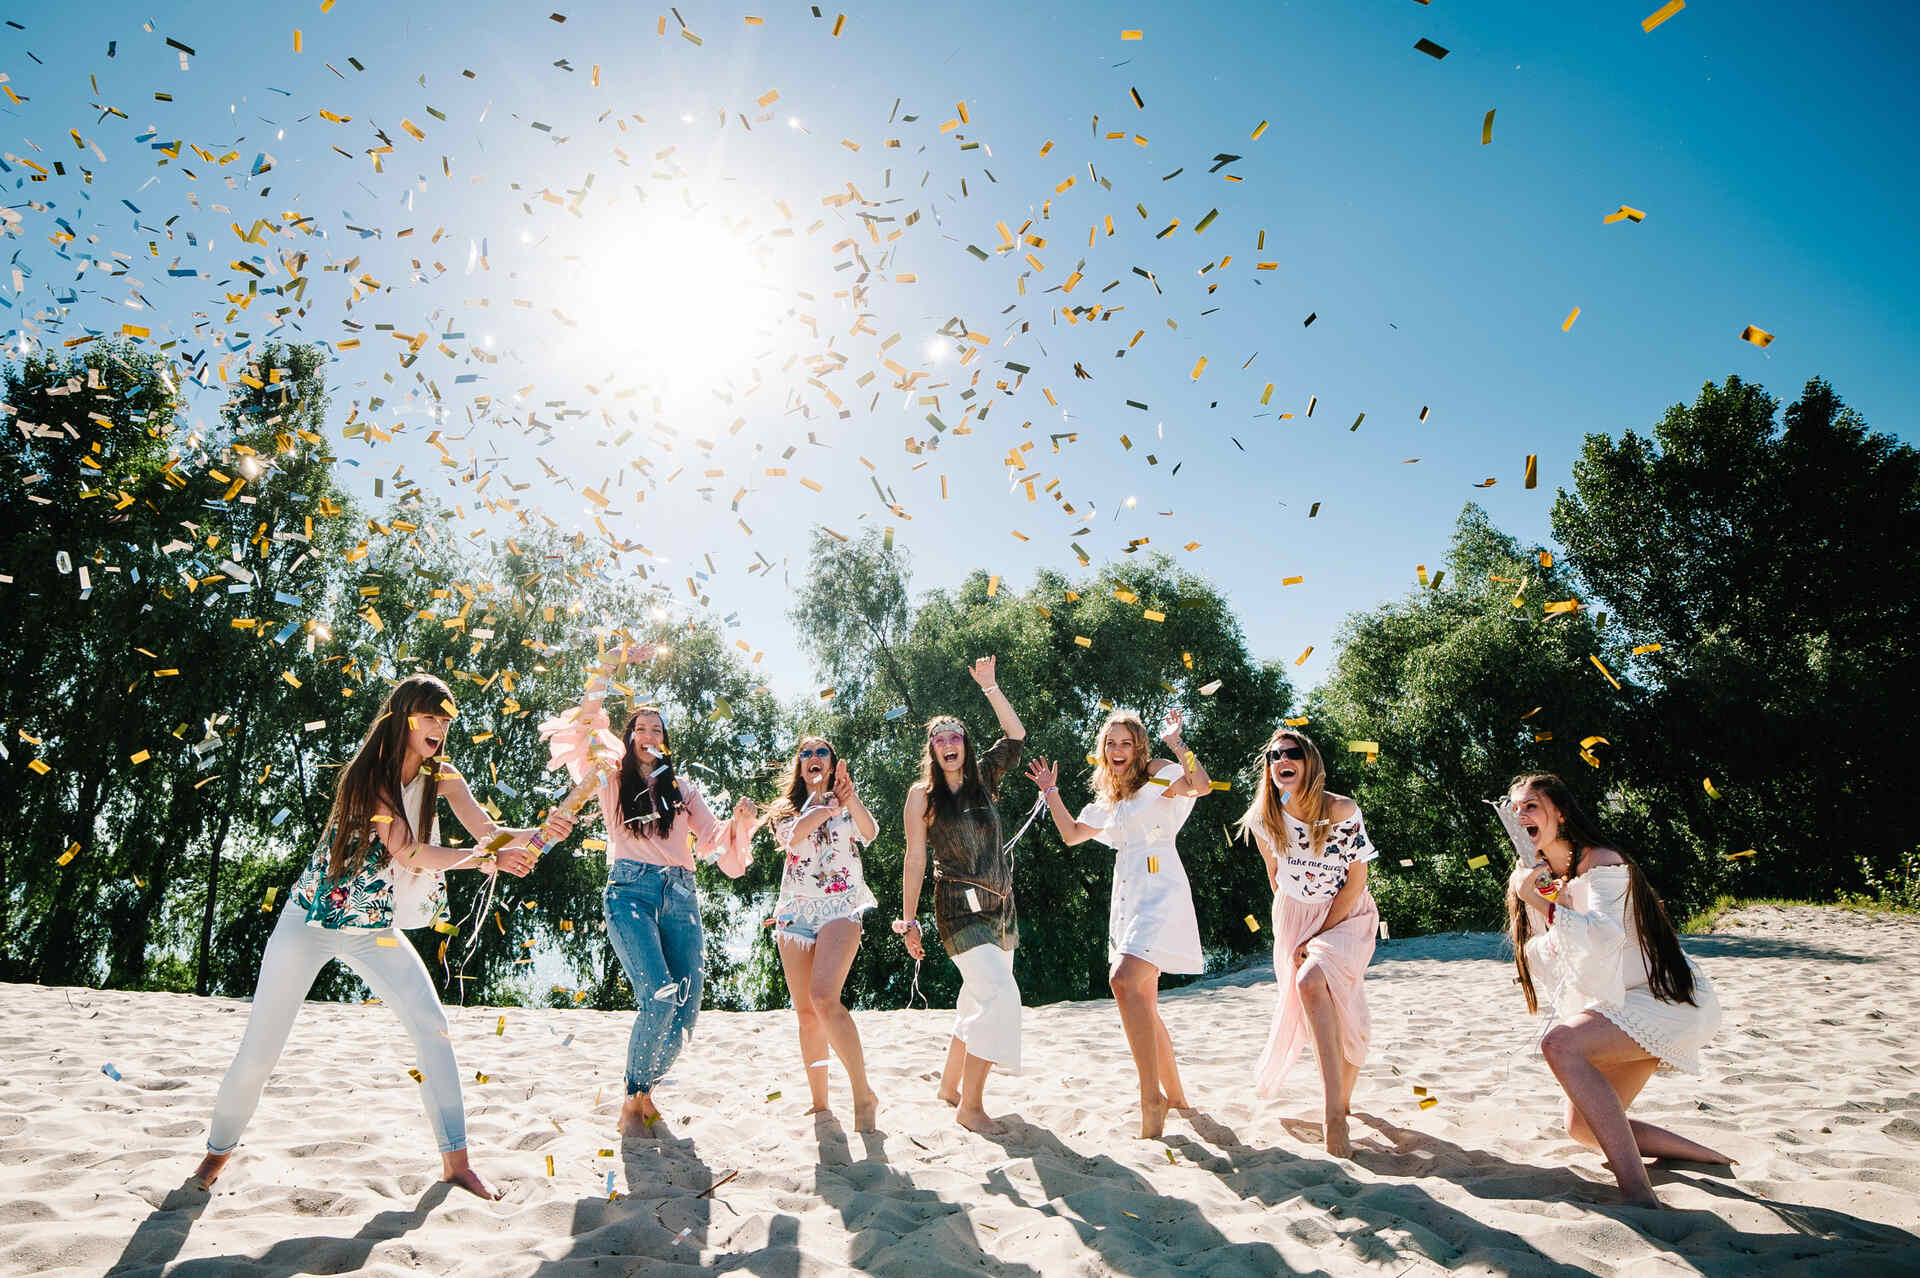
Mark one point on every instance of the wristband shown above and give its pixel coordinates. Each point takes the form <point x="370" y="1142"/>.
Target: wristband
<point x="1052" y="789"/>
<point x="990" y="691"/>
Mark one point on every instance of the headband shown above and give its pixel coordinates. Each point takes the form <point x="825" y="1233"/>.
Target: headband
<point x="946" y="723"/>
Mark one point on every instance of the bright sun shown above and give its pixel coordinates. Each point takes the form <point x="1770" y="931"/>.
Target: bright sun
<point x="677" y="304"/>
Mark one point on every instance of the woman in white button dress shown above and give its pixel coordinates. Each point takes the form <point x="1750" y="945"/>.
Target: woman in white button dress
<point x="1139" y="806"/>
<point x="1627" y="1001"/>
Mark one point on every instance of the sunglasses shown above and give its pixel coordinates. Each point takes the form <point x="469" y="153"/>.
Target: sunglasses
<point x="821" y="752"/>
<point x="1287" y="752"/>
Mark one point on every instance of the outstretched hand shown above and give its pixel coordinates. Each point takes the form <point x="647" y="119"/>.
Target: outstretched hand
<point x="1170" y="727"/>
<point x="982" y="672"/>
<point x="842" y="783"/>
<point x="1044" y="775"/>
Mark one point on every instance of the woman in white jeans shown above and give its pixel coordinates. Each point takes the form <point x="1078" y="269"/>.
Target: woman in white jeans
<point x="383" y="821"/>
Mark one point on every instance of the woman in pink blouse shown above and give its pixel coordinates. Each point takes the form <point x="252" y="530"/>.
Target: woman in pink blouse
<point x="658" y="824"/>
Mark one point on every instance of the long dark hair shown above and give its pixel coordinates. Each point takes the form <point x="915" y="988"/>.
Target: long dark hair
<point x="1668" y="975"/>
<point x="793" y="795"/>
<point x="372" y="778"/>
<point x="943" y="802"/>
<point x="641" y="802"/>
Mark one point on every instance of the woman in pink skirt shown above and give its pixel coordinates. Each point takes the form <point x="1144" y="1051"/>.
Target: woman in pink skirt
<point x="1324" y="920"/>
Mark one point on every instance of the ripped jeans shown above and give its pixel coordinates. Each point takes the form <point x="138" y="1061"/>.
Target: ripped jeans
<point x="653" y="920"/>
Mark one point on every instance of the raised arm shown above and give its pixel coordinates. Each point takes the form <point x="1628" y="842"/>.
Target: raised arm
<point x="1193" y="780"/>
<point x="1047" y="777"/>
<point x="863" y="823"/>
<point x="983" y="674"/>
<point x="913" y="868"/>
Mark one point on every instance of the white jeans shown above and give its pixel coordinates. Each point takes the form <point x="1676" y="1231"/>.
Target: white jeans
<point x="398" y="978"/>
<point x="987" y="1013"/>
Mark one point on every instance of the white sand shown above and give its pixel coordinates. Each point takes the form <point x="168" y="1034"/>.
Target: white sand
<point x="1812" y="1085"/>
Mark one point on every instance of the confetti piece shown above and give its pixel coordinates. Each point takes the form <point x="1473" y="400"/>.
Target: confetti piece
<point x="1533" y="470"/>
<point x="1419" y="1090"/>
<point x="1083" y="641"/>
<point x="480" y="1076"/>
<point x="1301" y="660"/>
<point x="1131" y="35"/>
<point x="500" y="1027"/>
<point x="1258" y="130"/>
<point x="1661" y="14"/>
<point x="549" y="1164"/>
<point x="1567" y="323"/>
<point x="72" y="851"/>
<point x="1624" y="213"/>
<point x="1428" y="47"/>
<point x="1429" y="1102"/>
<point x="1475" y="862"/>
<point x="1208" y="689"/>
<point x="1739" y="856"/>
<point x="1486" y="128"/>
<point x="415" y="1074"/>
<point x="773" y="1096"/>
<point x="606" y="1153"/>
<point x="1602" y="668"/>
<point x="139" y="757"/>
<point x="1646" y="648"/>
<point x="110" y="1071"/>
<point x="1253" y="924"/>
<point x="1363" y="747"/>
<point x="1153" y="864"/>
<point x="1758" y="336"/>
<point x="1706" y="783"/>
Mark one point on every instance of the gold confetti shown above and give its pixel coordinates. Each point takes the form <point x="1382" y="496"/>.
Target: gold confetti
<point x="1153" y="862"/>
<point x="773" y="1096"/>
<point x="1429" y="1102"/>
<point x="1661" y="14"/>
<point x="72" y="851"/>
<point x="1572" y="315"/>
<point x="1533" y="470"/>
<point x="1601" y="666"/>
<point x="500" y="1027"/>
<point x="1486" y="128"/>
<point x="549" y="1164"/>
<point x="139" y="757"/>
<point x="1624" y="213"/>
<point x="1253" y="924"/>
<point x="1706" y="783"/>
<point x="417" y="1076"/>
<point x="1475" y="862"/>
<point x="1758" y="336"/>
<point x="1258" y="130"/>
<point x="1301" y="660"/>
<point x="1738" y="856"/>
<point x="1131" y="35"/>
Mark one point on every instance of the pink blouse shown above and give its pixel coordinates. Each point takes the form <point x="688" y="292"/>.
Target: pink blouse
<point x="696" y="832"/>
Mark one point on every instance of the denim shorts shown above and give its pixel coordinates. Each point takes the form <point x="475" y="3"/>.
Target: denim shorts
<point x="787" y="925"/>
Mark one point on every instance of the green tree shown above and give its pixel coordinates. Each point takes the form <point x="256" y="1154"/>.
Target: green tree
<point x="1767" y="560"/>
<point x="1463" y="687"/>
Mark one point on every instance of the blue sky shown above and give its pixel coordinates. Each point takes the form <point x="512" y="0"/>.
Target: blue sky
<point x="1764" y="142"/>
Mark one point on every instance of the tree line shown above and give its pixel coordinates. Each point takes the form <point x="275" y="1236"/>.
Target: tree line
<point x="201" y="621"/>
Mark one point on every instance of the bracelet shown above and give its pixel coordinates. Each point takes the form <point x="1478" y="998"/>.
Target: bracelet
<point x="990" y="691"/>
<point x="1052" y="789"/>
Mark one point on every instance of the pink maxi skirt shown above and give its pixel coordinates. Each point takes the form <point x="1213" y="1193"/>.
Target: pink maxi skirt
<point x="1343" y="954"/>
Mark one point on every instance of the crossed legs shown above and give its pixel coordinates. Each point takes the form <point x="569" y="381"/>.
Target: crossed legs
<point x="815" y="976"/>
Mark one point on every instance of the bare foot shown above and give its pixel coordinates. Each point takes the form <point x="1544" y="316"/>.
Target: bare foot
<point x="975" y="1119"/>
<point x="1153" y="1116"/>
<point x="638" y="1115"/>
<point x="1338" y="1143"/>
<point x="951" y="1098"/>
<point x="471" y="1181"/>
<point x="210" y="1168"/>
<point x="1647" y="1201"/>
<point x="865" y="1110"/>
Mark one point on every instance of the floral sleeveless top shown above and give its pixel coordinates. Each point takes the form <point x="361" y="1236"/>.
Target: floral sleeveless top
<point x="363" y="900"/>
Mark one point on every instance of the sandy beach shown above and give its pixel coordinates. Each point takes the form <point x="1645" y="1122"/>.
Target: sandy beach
<point x="1812" y="1085"/>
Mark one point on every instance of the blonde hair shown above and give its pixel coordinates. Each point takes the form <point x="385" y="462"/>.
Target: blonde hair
<point x="1106" y="784"/>
<point x="1309" y="802"/>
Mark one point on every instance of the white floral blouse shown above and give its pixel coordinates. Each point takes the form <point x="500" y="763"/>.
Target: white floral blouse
<point x="823" y="879"/>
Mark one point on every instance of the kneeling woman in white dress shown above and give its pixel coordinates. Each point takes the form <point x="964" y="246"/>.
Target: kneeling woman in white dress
<point x="1627" y="1001"/>
<point x="1139" y="805"/>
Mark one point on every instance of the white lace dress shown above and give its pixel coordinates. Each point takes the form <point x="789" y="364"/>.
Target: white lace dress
<point x="1151" y="916"/>
<point x="1590" y="960"/>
